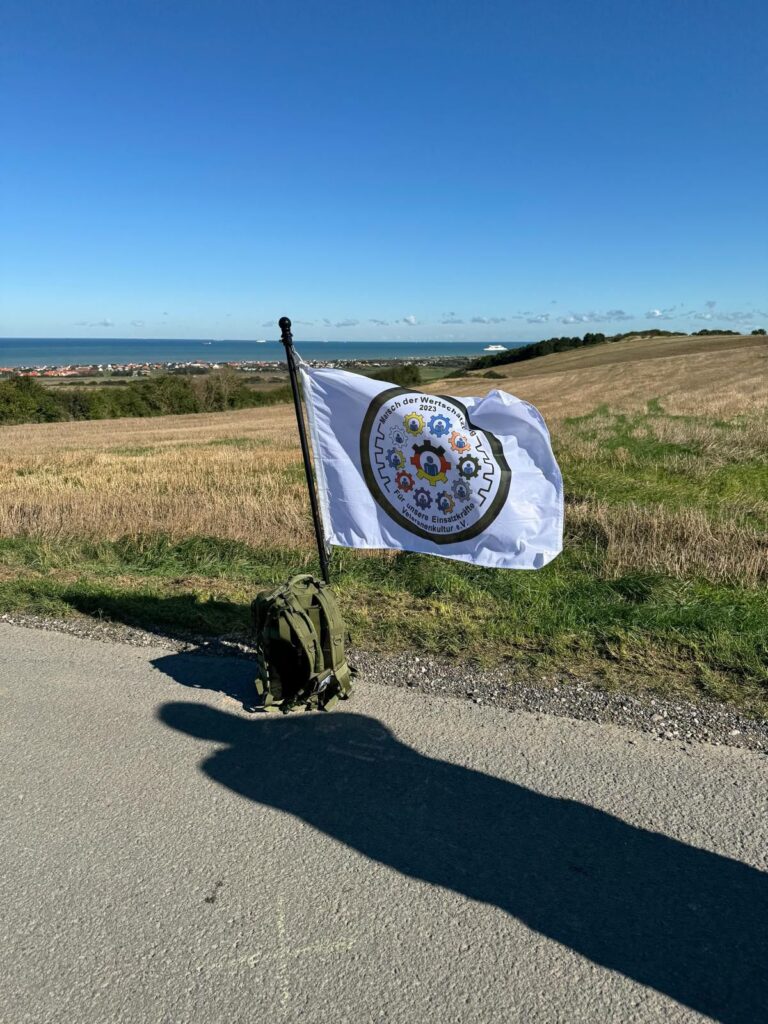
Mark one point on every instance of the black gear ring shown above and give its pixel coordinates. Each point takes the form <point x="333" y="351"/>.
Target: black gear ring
<point x="466" y="460"/>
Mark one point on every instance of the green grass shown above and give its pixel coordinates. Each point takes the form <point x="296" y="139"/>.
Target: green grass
<point x="639" y="630"/>
<point x="218" y="442"/>
<point x="725" y="475"/>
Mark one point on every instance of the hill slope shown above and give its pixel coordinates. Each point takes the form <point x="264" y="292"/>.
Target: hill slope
<point x="717" y="375"/>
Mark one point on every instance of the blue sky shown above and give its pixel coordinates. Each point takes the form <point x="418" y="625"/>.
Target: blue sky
<point x="192" y="168"/>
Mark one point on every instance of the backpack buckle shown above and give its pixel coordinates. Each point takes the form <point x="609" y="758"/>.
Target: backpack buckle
<point x="322" y="682"/>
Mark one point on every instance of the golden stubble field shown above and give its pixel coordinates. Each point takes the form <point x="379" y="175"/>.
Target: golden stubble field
<point x="717" y="376"/>
<point x="238" y="475"/>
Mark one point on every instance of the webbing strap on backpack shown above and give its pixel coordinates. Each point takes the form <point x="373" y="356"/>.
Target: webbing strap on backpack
<point x="300" y="647"/>
<point x="335" y="657"/>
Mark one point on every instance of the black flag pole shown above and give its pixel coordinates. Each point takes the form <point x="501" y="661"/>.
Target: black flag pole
<point x="287" y="339"/>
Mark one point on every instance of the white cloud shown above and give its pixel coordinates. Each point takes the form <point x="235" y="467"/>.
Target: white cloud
<point x="706" y="315"/>
<point x="137" y="323"/>
<point x="346" y="323"/>
<point x="95" y="323"/>
<point x="379" y="323"/>
<point x="595" y="317"/>
<point x="488" y="320"/>
<point x="451" y="318"/>
<point x="537" y="318"/>
<point x="410" y="320"/>
<point x="738" y="317"/>
<point x="662" y="314"/>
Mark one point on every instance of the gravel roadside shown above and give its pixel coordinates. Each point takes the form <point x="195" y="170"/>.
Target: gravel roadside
<point x="563" y="695"/>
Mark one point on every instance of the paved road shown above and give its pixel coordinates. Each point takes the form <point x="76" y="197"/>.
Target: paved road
<point x="167" y="858"/>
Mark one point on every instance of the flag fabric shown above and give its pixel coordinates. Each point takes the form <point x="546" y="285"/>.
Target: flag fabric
<point x="473" y="479"/>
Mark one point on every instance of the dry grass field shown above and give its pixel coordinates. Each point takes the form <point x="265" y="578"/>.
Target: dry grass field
<point x="237" y="475"/>
<point x="714" y="376"/>
<point x="664" y="448"/>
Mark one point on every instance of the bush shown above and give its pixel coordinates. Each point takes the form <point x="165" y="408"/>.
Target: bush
<point x="707" y="332"/>
<point x="403" y="376"/>
<point x="25" y="400"/>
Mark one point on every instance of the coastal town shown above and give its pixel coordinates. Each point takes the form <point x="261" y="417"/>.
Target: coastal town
<point x="200" y="366"/>
<point x="127" y="369"/>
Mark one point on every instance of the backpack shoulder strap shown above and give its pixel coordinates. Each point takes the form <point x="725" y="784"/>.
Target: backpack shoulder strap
<point x="293" y="618"/>
<point x="334" y="624"/>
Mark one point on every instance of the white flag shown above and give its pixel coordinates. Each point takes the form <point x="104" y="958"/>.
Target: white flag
<point x="473" y="479"/>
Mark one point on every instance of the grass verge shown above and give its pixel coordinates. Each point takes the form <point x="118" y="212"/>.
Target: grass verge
<point x="636" y="629"/>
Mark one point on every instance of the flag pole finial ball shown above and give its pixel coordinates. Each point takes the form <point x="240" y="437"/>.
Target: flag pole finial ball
<point x="284" y="323"/>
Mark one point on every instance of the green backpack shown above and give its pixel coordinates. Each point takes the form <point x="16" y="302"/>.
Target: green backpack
<point x="300" y="640"/>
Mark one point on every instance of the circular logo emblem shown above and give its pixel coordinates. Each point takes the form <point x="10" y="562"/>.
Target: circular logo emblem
<point x="429" y="468"/>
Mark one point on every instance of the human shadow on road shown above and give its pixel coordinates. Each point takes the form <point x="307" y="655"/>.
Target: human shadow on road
<point x="689" y="923"/>
<point x="231" y="676"/>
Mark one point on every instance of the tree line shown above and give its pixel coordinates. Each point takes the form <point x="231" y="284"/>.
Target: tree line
<point x="538" y="348"/>
<point x="25" y="400"/>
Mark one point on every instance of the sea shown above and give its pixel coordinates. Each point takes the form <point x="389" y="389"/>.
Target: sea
<point x="38" y="352"/>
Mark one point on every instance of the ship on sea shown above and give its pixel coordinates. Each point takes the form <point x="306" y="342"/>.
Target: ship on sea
<point x="495" y="348"/>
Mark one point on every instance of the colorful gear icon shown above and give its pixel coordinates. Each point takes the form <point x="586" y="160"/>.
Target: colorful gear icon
<point x="404" y="480"/>
<point x="398" y="436"/>
<point x="461" y="490"/>
<point x="413" y="423"/>
<point x="430" y="462"/>
<point x="468" y="466"/>
<point x="459" y="442"/>
<point x="395" y="458"/>
<point x="439" y="425"/>
<point x="422" y="497"/>
<point x="445" y="502"/>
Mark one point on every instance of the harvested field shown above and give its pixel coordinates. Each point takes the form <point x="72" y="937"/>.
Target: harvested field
<point x="265" y="424"/>
<point x="718" y="377"/>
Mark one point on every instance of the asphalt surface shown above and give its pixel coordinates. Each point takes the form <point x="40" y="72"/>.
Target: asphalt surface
<point x="165" y="857"/>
